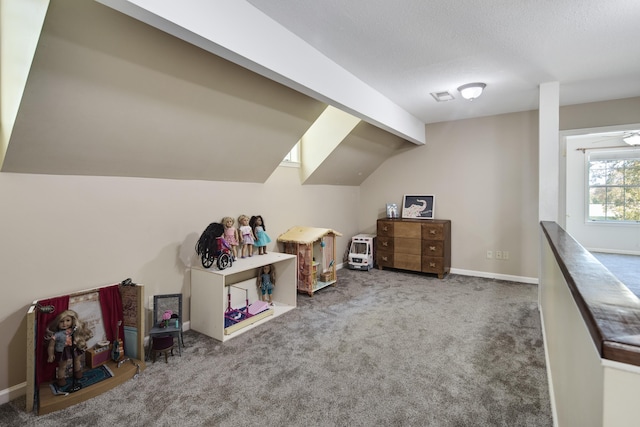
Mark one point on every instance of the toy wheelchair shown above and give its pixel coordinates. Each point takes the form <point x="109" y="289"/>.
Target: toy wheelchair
<point x="211" y="247"/>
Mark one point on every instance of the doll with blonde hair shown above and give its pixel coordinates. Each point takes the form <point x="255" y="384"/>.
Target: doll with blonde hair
<point x="246" y="236"/>
<point x="231" y="235"/>
<point x="67" y="336"/>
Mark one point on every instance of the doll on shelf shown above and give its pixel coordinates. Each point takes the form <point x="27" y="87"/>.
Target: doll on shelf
<point x="266" y="282"/>
<point x="246" y="236"/>
<point x="231" y="235"/>
<point x="222" y="245"/>
<point x="259" y="230"/>
<point x="67" y="336"/>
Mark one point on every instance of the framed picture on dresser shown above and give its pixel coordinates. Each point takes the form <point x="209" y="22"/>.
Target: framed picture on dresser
<point x="418" y="206"/>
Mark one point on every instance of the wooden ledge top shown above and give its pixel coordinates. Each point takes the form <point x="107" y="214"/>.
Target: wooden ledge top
<point x="610" y="310"/>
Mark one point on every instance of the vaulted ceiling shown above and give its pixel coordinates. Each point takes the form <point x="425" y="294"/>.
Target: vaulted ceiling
<point x="109" y="95"/>
<point x="176" y="90"/>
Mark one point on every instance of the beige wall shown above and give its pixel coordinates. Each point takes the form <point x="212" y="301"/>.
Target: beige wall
<point x="67" y="233"/>
<point x="483" y="173"/>
<point x="598" y="114"/>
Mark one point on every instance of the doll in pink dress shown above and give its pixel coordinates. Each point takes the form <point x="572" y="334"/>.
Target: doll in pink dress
<point x="231" y="235"/>
<point x="246" y="236"/>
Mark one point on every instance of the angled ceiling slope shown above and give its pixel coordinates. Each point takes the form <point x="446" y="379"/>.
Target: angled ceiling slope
<point x="109" y="95"/>
<point x="239" y="32"/>
<point x="358" y="155"/>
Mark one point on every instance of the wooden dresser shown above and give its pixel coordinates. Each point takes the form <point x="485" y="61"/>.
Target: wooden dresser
<point x="415" y="244"/>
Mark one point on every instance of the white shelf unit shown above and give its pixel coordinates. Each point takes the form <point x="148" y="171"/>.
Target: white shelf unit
<point x="209" y="292"/>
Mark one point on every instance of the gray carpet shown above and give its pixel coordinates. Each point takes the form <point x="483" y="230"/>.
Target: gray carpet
<point x="381" y="348"/>
<point x="626" y="268"/>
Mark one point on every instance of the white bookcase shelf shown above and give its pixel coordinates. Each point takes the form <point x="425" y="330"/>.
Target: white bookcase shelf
<point x="210" y="292"/>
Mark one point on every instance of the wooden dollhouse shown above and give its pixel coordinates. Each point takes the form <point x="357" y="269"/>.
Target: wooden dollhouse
<point x="316" y="252"/>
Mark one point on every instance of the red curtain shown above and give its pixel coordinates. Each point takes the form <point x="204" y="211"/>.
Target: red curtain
<point x="111" y="305"/>
<point x="46" y="371"/>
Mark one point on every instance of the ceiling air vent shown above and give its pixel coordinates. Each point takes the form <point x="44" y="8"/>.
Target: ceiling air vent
<point x="442" y="96"/>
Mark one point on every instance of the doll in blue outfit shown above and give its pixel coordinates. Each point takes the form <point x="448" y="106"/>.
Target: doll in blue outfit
<point x="67" y="336"/>
<point x="260" y="231"/>
<point x="266" y="282"/>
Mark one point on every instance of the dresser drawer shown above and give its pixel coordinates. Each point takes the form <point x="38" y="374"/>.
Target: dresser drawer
<point x="384" y="243"/>
<point x="385" y="229"/>
<point x="409" y="230"/>
<point x="433" y="265"/>
<point x="384" y="259"/>
<point x="407" y="246"/>
<point x="433" y="231"/>
<point x="433" y="248"/>
<point x="407" y="262"/>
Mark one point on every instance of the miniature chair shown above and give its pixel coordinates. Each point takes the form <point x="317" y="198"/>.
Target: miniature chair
<point x="162" y="345"/>
<point x="160" y="328"/>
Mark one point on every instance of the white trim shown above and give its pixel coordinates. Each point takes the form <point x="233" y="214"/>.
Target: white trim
<point x="613" y="251"/>
<point x="14" y="392"/>
<point x="290" y="164"/>
<point x="620" y="366"/>
<point x="552" y="397"/>
<point x="487" y="275"/>
<point x="585" y="132"/>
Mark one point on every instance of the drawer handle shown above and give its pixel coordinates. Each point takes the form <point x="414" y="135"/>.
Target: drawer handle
<point x="432" y="231"/>
<point x="385" y="228"/>
<point x="432" y="248"/>
<point x="384" y="258"/>
<point x="385" y="243"/>
<point x="432" y="264"/>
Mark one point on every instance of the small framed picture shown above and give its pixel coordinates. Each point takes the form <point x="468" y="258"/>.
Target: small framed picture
<point x="392" y="210"/>
<point x="418" y="206"/>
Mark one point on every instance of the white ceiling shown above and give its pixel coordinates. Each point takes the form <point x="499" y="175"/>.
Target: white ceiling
<point x="407" y="49"/>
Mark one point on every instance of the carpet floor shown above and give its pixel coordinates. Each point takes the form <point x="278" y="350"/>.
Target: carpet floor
<point x="626" y="268"/>
<point x="381" y="348"/>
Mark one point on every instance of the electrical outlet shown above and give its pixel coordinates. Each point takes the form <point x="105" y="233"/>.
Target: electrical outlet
<point x="498" y="254"/>
<point x="505" y="255"/>
<point x="489" y="254"/>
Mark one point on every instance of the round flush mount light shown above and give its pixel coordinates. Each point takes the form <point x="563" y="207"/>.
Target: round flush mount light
<point x="471" y="91"/>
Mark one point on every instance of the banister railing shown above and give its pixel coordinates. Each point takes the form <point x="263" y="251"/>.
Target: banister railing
<point x="610" y="310"/>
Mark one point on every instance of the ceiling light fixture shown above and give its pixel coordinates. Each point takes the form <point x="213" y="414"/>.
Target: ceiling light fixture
<point x="471" y="91"/>
<point x="633" y="139"/>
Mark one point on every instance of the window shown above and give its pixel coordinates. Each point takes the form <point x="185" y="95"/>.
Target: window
<point x="614" y="186"/>
<point x="293" y="157"/>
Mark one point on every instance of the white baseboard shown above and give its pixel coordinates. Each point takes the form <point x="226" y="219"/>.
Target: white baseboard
<point x="11" y="393"/>
<point x="521" y="279"/>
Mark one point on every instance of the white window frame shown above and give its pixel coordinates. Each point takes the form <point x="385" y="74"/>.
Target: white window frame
<point x="292" y="159"/>
<point x="607" y="154"/>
